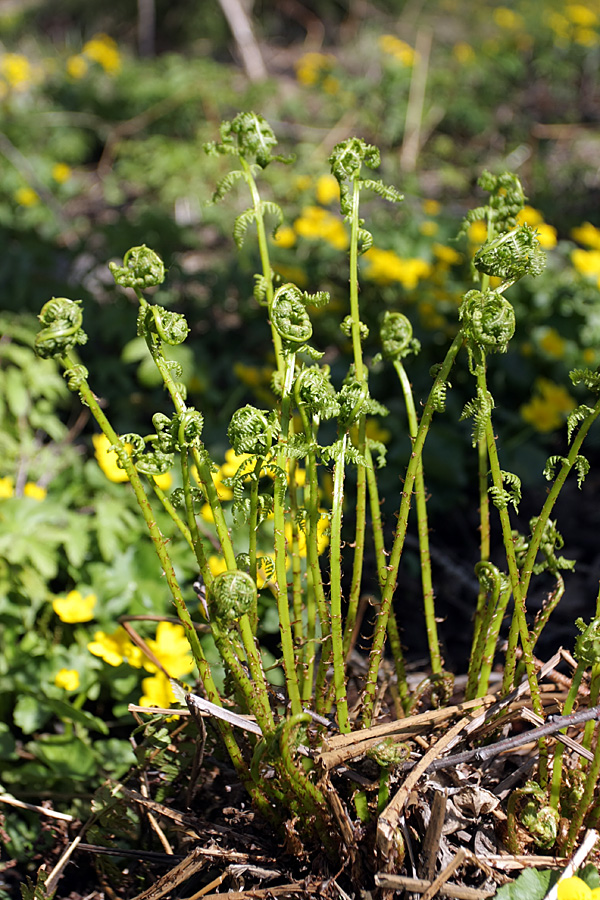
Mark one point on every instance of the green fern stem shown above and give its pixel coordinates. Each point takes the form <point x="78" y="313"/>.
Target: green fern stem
<point x="559" y="747"/>
<point x="253" y="536"/>
<point x="297" y="593"/>
<point x="589" y="792"/>
<point x="509" y="547"/>
<point x="553" y="494"/>
<point x="283" y="608"/>
<point x="202" y="466"/>
<point x="173" y="514"/>
<point x="359" y="540"/>
<point x="337" y="638"/>
<point x="191" y="518"/>
<point x="489" y="632"/>
<point x="590" y="727"/>
<point x="89" y="399"/>
<point x="484" y="528"/>
<point x="263" y="249"/>
<point x="423" y="529"/>
<point x="370" y="690"/>
<point x="381" y="560"/>
<point x="354" y="307"/>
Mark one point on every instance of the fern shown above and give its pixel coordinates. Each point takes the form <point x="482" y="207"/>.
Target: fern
<point x="551" y="464"/>
<point x="587" y="377"/>
<point x="241" y="224"/>
<point x="578" y="415"/>
<point x="502" y="497"/>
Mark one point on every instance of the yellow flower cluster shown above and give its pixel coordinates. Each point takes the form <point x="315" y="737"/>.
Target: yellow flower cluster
<point x="317" y="223"/>
<point x="31" y="489"/>
<point x="16" y="71"/>
<point x="315" y="68"/>
<point x="508" y="18"/>
<point x="552" y="343"/>
<point x="464" y="53"/>
<point x="577" y="23"/>
<point x="68" y="679"/>
<point x="546" y="234"/>
<point x="101" y="49"/>
<point x="75" y="607"/>
<point x="26" y="196"/>
<point x="61" y="172"/>
<point x="548" y="407"/>
<point x="398" y="49"/>
<point x="170" y="647"/>
<point x="386" y="267"/>
<point x="587" y="262"/>
<point x="587" y="235"/>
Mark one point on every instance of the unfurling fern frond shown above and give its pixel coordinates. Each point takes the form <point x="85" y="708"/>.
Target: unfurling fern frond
<point x="582" y="467"/>
<point x="579" y="414"/>
<point x="587" y="377"/>
<point x="241" y="224"/>
<point x="551" y="465"/>
<point x="365" y="240"/>
<point x="502" y="497"/>
<point x="268" y="208"/>
<point x="226" y="183"/>
<point x="480" y="409"/>
<point x="383" y="190"/>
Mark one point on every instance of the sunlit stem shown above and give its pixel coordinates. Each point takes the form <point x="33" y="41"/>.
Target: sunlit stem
<point x="376" y="655"/>
<point x="336" y="588"/>
<point x="559" y="747"/>
<point x="423" y="530"/>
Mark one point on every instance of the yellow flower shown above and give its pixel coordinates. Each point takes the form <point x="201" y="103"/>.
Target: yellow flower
<point x="76" y="66"/>
<point x="507" y="18"/>
<point x="548" y="407"/>
<point x="285" y="237"/>
<point x="327" y="190"/>
<point x="375" y="431"/>
<point x="463" y="53"/>
<point x="587" y="37"/>
<point x="108" y="459"/>
<point x="575" y="889"/>
<point x="587" y="262"/>
<point x="163" y="481"/>
<point x="316" y="223"/>
<point x="292" y="273"/>
<point x="546" y="235"/>
<point x="265" y="570"/>
<point x="588" y="235"/>
<point x="61" y="172"/>
<point x="103" y="50"/>
<point x="553" y="344"/>
<point x="7" y="488"/>
<point x="172" y="649"/>
<point x="217" y="564"/>
<point x="26" y="196"/>
<point x="116" y="648"/>
<point x="302" y="182"/>
<point x="429" y="228"/>
<point x="68" y="679"/>
<point x="74" y="607"/>
<point x="34" y="491"/>
<point x="431" y="207"/>
<point x="580" y="14"/>
<point x="529" y="216"/>
<point x="399" y="50"/>
<point x="477" y="232"/>
<point x="312" y="66"/>
<point x="385" y="267"/>
<point x="322" y="537"/>
<point x="331" y="85"/>
<point x="157" y="691"/>
<point x="447" y="254"/>
<point x="16" y="69"/>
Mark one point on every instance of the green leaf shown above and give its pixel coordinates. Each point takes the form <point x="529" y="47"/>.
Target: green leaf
<point x="7" y="743"/>
<point x="532" y="884"/>
<point x="29" y="714"/>
<point x="65" y="711"/>
<point x="65" y="755"/>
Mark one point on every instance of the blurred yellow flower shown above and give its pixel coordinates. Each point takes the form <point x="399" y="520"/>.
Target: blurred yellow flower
<point x="553" y="344"/>
<point x="477" y="232"/>
<point x="322" y="537"/>
<point x="331" y="85"/>
<point x="74" y="607"/>
<point x="61" y="172"/>
<point x="546" y="234"/>
<point x="311" y="67"/>
<point x="587" y="37"/>
<point x="376" y="432"/>
<point x="172" y="649"/>
<point x="108" y="459"/>
<point x="447" y="254"/>
<point x="587" y="262"/>
<point x="398" y="49"/>
<point x="16" y="69"/>
<point x="163" y="481"/>
<point x="581" y="15"/>
<point x="116" y="648"/>
<point x="285" y="237"/>
<point x="327" y="190"/>
<point x="291" y="273"/>
<point x="529" y="216"/>
<point x="317" y="223"/>
<point x="386" y="267"/>
<point x="76" y="66"/>
<point x="429" y="228"/>
<point x="68" y="679"/>
<point x="103" y="50"/>
<point x="587" y="234"/>
<point x="463" y="53"/>
<point x="548" y="407"/>
<point x="34" y="491"/>
<point x="157" y="691"/>
<point x="431" y="207"/>
<point x="7" y="488"/>
<point x="26" y="196"/>
<point x="507" y="18"/>
<point x="216" y="564"/>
